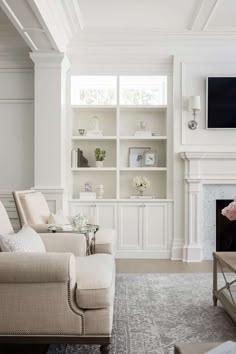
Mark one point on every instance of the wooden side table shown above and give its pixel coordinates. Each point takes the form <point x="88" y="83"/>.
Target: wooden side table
<point x="225" y="263"/>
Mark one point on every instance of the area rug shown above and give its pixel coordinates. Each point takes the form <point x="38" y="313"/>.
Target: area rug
<point x="154" y="311"/>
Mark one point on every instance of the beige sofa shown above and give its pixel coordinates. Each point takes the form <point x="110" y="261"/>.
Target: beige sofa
<point x="32" y="209"/>
<point x="58" y="296"/>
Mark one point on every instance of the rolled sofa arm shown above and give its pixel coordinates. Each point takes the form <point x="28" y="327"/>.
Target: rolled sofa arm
<point x="65" y="242"/>
<point x="27" y="267"/>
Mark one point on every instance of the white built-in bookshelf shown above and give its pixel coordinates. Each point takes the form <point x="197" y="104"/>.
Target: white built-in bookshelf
<point x="118" y="123"/>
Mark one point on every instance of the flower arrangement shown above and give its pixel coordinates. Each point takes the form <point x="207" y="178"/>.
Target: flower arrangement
<point x="141" y="184"/>
<point x="100" y="154"/>
<point x="230" y="211"/>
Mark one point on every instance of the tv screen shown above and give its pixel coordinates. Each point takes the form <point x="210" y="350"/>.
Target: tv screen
<point x="221" y="102"/>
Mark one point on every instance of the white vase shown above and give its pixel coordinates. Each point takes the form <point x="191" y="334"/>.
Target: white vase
<point x="99" y="164"/>
<point x="100" y="191"/>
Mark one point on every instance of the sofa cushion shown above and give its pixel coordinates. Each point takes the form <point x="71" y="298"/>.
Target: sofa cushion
<point x="26" y="240"/>
<point x="95" y="281"/>
<point x="35" y="208"/>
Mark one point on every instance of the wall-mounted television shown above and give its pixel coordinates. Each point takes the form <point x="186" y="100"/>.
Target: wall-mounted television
<point x="221" y="102"/>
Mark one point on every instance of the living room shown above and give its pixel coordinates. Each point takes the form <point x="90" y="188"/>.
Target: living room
<point x="117" y="121"/>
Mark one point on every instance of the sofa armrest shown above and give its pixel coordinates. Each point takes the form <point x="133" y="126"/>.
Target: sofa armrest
<point x="27" y="267"/>
<point x="65" y="242"/>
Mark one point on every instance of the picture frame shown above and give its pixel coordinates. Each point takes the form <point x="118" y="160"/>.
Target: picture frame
<point x="150" y="158"/>
<point x="136" y="156"/>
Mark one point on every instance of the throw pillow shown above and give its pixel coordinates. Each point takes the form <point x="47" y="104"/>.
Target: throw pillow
<point x="58" y="219"/>
<point x="26" y="240"/>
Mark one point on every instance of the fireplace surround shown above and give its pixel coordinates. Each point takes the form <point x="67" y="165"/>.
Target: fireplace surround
<point x="202" y="168"/>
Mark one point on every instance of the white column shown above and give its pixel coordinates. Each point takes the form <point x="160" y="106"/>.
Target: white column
<point x="192" y="251"/>
<point x="49" y="121"/>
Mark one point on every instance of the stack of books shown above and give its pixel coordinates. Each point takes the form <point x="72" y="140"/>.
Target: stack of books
<point x="143" y="133"/>
<point x="87" y="195"/>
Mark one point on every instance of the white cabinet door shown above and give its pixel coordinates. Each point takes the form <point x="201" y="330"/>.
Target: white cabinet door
<point x="86" y="209"/>
<point x="130" y="226"/>
<point x="106" y="215"/>
<point x="155" y="226"/>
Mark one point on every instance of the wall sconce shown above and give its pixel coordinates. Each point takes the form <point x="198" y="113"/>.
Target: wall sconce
<point x="194" y="106"/>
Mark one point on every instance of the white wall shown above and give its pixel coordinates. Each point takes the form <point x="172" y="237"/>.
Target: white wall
<point x="16" y="128"/>
<point x="191" y="65"/>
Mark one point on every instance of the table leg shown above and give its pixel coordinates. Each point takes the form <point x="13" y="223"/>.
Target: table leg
<point x="214" y="280"/>
<point x="88" y="250"/>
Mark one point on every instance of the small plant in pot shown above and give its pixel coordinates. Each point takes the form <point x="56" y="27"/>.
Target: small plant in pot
<point x="99" y="156"/>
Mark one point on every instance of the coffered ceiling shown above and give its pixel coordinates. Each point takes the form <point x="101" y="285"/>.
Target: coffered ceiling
<point x="58" y="25"/>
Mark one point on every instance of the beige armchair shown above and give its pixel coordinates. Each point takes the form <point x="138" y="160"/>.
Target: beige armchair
<point x="58" y="296"/>
<point x="32" y="209"/>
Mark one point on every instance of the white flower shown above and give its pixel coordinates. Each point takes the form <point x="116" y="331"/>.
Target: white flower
<point x="140" y="181"/>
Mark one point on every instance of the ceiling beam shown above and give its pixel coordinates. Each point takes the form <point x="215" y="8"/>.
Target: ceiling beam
<point x="210" y="14"/>
<point x="203" y="14"/>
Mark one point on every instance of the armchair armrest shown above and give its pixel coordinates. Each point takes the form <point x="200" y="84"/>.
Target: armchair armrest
<point x="65" y="242"/>
<point x="26" y="267"/>
<point x="40" y="228"/>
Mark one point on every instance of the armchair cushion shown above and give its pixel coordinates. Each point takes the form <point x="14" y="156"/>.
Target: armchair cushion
<point x="95" y="281"/>
<point x="26" y="240"/>
<point x="105" y="241"/>
<point x="35" y="208"/>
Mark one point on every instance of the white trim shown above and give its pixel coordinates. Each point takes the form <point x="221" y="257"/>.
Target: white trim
<point x="143" y="254"/>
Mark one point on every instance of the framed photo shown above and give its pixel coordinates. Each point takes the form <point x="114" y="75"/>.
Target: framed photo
<point x="150" y="159"/>
<point x="136" y="156"/>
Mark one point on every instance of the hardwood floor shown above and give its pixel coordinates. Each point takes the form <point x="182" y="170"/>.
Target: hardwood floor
<point x="161" y="266"/>
<point x="124" y="266"/>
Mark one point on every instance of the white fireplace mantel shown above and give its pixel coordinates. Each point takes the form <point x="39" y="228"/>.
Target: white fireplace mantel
<point x="202" y="168"/>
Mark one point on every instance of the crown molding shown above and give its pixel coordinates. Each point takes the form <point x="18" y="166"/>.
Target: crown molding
<point x="46" y="59"/>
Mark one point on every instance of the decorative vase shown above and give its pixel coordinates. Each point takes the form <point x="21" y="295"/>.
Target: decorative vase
<point x="99" y="164"/>
<point x="140" y="190"/>
<point x="100" y="191"/>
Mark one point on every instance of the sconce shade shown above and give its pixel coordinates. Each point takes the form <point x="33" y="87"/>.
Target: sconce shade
<point x="195" y="103"/>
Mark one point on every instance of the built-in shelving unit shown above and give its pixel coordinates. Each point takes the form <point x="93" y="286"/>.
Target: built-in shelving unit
<point x="118" y="123"/>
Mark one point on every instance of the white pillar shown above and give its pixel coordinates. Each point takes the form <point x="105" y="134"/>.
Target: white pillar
<point x="49" y="121"/>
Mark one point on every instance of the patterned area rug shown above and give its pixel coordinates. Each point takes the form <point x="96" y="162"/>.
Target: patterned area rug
<point x="154" y="311"/>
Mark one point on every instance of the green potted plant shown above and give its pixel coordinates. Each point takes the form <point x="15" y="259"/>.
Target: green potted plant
<point x="99" y="156"/>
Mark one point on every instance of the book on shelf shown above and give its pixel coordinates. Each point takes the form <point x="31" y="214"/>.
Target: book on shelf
<point x="94" y="133"/>
<point x="74" y="158"/>
<point x="143" y="133"/>
<point x="87" y="195"/>
<point x="142" y="197"/>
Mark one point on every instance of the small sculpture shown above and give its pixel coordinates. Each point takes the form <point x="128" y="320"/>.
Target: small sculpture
<point x="82" y="161"/>
<point x="95" y="123"/>
<point x="88" y="187"/>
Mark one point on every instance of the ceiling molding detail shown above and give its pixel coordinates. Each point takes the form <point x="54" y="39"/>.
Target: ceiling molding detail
<point x="24" y="12"/>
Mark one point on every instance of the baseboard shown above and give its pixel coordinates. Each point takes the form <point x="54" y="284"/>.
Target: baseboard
<point x="143" y="254"/>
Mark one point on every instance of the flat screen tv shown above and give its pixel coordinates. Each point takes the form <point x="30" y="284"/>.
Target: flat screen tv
<point x="221" y="102"/>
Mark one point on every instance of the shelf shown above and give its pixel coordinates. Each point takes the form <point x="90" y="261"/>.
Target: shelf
<point x="160" y="108"/>
<point x="133" y="137"/>
<point x="131" y="200"/>
<point x="104" y="137"/>
<point x="151" y="169"/>
<point x="92" y="169"/>
<point x="93" y="106"/>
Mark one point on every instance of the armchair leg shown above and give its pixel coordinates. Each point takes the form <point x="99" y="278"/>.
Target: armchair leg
<point x="105" y="349"/>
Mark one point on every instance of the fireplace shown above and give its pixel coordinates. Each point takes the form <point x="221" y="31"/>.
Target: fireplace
<point x="225" y="229"/>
